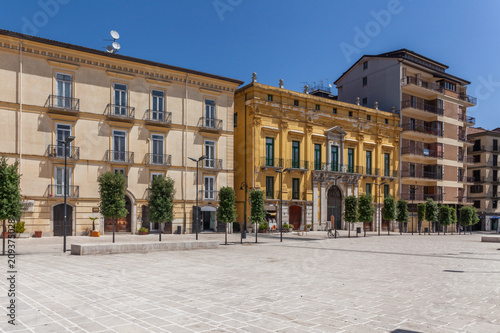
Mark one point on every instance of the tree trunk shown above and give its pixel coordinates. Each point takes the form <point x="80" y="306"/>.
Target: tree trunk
<point x="226" y="232"/>
<point x="114" y="229"/>
<point x="159" y="231"/>
<point x="349" y="231"/>
<point x="3" y="238"/>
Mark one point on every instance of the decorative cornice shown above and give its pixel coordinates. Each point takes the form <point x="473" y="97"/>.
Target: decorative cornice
<point x="157" y="81"/>
<point x="120" y="75"/>
<point x="62" y="64"/>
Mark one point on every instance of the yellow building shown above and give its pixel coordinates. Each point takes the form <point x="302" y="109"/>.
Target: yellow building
<point x="324" y="149"/>
<point x="132" y="116"/>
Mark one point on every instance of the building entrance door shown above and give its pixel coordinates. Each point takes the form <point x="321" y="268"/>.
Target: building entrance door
<point x="334" y="206"/>
<point x="295" y="217"/>
<point x="59" y="220"/>
<point x="123" y="224"/>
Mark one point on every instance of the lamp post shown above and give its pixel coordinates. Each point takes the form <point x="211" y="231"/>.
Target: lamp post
<point x="197" y="215"/>
<point x="380" y="211"/>
<point x="66" y="141"/>
<point x="281" y="201"/>
<point x="244" y="228"/>
<point x="412" y="197"/>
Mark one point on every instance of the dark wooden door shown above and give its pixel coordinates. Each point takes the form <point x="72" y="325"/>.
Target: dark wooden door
<point x="334" y="206"/>
<point x="295" y="216"/>
<point x="123" y="224"/>
<point x="59" y="220"/>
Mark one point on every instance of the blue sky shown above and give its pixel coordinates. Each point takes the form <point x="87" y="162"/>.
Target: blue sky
<point x="297" y="41"/>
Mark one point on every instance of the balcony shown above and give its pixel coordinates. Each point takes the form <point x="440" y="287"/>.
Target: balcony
<point x="72" y="191"/>
<point x="417" y="196"/>
<point x="425" y="130"/>
<point x="390" y="174"/>
<point x="62" y="104"/>
<point x="422" y="86"/>
<point x="466" y="160"/>
<point x="297" y="165"/>
<point x="212" y="164"/>
<point x="370" y="172"/>
<point x="464" y="199"/>
<point x="210" y="124"/>
<point x="422" y="107"/>
<point x="271" y="163"/>
<point x="463" y="138"/>
<point x="471" y="121"/>
<point x="467" y="98"/>
<point x="159" y="159"/>
<point x="57" y="152"/>
<point x="120" y="112"/>
<point x="119" y="156"/>
<point x="209" y="195"/>
<point x="422" y="152"/>
<point x="158" y="117"/>
<point x="422" y="175"/>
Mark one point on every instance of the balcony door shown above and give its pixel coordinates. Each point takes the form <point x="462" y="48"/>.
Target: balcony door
<point x="269" y="151"/>
<point x="210" y="154"/>
<point x="120" y="99"/>
<point x="335" y="158"/>
<point x="157" y="148"/>
<point x="158" y="105"/>
<point x="119" y="146"/>
<point x="62" y="132"/>
<point x="210" y="113"/>
<point x="295" y="154"/>
<point x="59" y="181"/>
<point x="209" y="188"/>
<point x="64" y="90"/>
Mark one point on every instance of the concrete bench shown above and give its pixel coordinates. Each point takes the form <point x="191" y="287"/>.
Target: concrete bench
<point x="490" y="239"/>
<point x="117" y="248"/>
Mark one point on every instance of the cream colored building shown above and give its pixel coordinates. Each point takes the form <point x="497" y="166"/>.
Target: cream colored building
<point x="127" y="115"/>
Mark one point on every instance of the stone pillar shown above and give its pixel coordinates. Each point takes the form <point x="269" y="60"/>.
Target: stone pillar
<point x="324" y="203"/>
<point x="285" y="213"/>
<point x="356" y="190"/>
<point x="349" y="190"/>
<point x="315" y="206"/>
<point x="309" y="215"/>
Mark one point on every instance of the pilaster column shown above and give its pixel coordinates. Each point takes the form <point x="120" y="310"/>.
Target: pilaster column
<point x="324" y="203"/>
<point x="315" y="207"/>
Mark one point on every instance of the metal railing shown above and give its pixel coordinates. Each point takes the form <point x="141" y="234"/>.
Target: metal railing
<point x="423" y="129"/>
<point x="390" y="174"/>
<point x="207" y="195"/>
<point x="370" y="171"/>
<point x="72" y="191"/>
<point x="337" y="167"/>
<point x="467" y="98"/>
<point x="63" y="103"/>
<point x="422" y="106"/>
<point x="120" y="111"/>
<point x="465" y="159"/>
<point x="297" y="164"/>
<point x="159" y="159"/>
<point x="212" y="163"/>
<point x="210" y="124"/>
<point x="418" y="196"/>
<point x="422" y="152"/>
<point x="119" y="156"/>
<point x="272" y="162"/>
<point x="57" y="151"/>
<point x="422" y="174"/>
<point x="424" y="84"/>
<point x="160" y="117"/>
<point x="465" y="199"/>
<point x="471" y="120"/>
<point x="474" y="149"/>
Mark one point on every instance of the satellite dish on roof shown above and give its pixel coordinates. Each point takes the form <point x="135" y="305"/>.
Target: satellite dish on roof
<point x="109" y="49"/>
<point x="116" y="46"/>
<point x="114" y="34"/>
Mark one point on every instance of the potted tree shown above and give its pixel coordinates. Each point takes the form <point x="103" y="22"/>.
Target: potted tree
<point x="402" y="214"/>
<point x="19" y="229"/>
<point x="420" y="216"/>
<point x="431" y="213"/>
<point x="227" y="207"/>
<point x="445" y="218"/>
<point x="366" y="208"/>
<point x="94" y="233"/>
<point x="112" y="195"/>
<point x="161" y="201"/>
<point x="351" y="211"/>
<point x="389" y="212"/>
<point x="284" y="227"/>
<point x="143" y="231"/>
<point x="257" y="209"/>
<point x="308" y="227"/>
<point x="10" y="205"/>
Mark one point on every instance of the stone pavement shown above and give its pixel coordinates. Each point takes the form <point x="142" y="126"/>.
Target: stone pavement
<point x="397" y="283"/>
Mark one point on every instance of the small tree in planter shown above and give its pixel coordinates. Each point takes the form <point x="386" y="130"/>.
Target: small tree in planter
<point x="112" y="195"/>
<point x="93" y="233"/>
<point x="431" y="213"/>
<point x="444" y="217"/>
<point x="402" y="214"/>
<point x="420" y="216"/>
<point x="453" y="213"/>
<point x="468" y="216"/>
<point x="389" y="211"/>
<point x="351" y="211"/>
<point x="227" y="207"/>
<point x="10" y="194"/>
<point x="365" y="208"/>
<point x="161" y="201"/>
<point x="257" y="209"/>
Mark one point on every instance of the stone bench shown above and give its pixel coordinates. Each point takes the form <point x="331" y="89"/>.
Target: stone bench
<point x="117" y="248"/>
<point x="490" y="239"/>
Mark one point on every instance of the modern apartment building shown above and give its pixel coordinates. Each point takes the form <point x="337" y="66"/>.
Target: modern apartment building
<point x="433" y="105"/>
<point x="324" y="150"/>
<point x="132" y="116"/>
<point x="485" y="175"/>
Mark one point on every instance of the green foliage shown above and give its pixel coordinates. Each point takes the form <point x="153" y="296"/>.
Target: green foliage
<point x="112" y="195"/>
<point x="19" y="227"/>
<point x="389" y="211"/>
<point x="366" y="208"/>
<point x="468" y="216"/>
<point x="227" y="206"/>
<point x="421" y="212"/>
<point x="161" y="200"/>
<point x="257" y="209"/>
<point x="285" y="226"/>
<point x="351" y="209"/>
<point x="431" y="210"/>
<point x="10" y="193"/>
<point x="263" y="226"/>
<point x="402" y="211"/>
<point x="445" y="215"/>
<point x="453" y="213"/>
<point x="143" y="230"/>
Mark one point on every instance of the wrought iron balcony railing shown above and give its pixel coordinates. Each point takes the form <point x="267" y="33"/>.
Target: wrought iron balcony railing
<point x="423" y="129"/>
<point x="158" y="117"/>
<point x="272" y="162"/>
<point x="209" y="195"/>
<point x="370" y="171"/>
<point x="467" y="98"/>
<point x="422" y="106"/>
<point x="72" y="191"/>
<point x="159" y="159"/>
<point x="390" y="173"/>
<point x="297" y="164"/>
<point x="57" y="151"/>
<point x="212" y="163"/>
<point x="422" y="152"/>
<point x="120" y="156"/>
<point x="211" y="124"/>
<point x="422" y="174"/>
<point x="120" y="112"/>
<point x="63" y="103"/>
<point x="424" y="84"/>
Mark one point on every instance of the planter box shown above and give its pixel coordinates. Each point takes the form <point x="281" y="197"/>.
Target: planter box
<point x="38" y="234"/>
<point x="143" y="233"/>
<point x="95" y="233"/>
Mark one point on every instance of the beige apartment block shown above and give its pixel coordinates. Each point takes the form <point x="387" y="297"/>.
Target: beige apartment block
<point x="128" y="115"/>
<point x="484" y="173"/>
<point x="433" y="105"/>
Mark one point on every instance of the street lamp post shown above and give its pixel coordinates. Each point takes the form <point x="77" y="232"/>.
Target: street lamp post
<point x="197" y="167"/>
<point x="412" y="197"/>
<point x="281" y="202"/>
<point x="380" y="211"/>
<point x="66" y="141"/>
<point x="244" y="227"/>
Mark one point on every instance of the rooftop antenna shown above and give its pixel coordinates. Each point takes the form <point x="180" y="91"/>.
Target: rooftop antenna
<point x="115" y="46"/>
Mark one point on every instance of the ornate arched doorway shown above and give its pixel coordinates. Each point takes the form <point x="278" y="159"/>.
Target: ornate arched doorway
<point x="295" y="216"/>
<point x="125" y="223"/>
<point x="334" y="206"/>
<point x="58" y="215"/>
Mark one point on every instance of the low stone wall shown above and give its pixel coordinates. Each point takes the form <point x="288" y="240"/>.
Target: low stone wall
<point x="490" y="239"/>
<point x="92" y="249"/>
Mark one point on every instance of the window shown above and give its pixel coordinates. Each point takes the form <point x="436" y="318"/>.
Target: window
<point x="477" y="204"/>
<point x="368" y="162"/>
<point x="295" y="188"/>
<point x="495" y="144"/>
<point x="350" y="114"/>
<point x="450" y="86"/>
<point x="495" y="160"/>
<point x="495" y="175"/>
<point x="477" y="158"/>
<point x="210" y="154"/>
<point x="386" y="190"/>
<point x="317" y="156"/>
<point x="387" y="121"/>
<point x="476" y="174"/>
<point x="157" y="149"/>
<point x="412" y="169"/>
<point x="494" y="191"/>
<point x="365" y="81"/>
<point x="412" y="192"/>
<point x="120" y="99"/>
<point x="412" y="123"/>
<point x="368" y="117"/>
<point x="269" y="151"/>
<point x="368" y="188"/>
<point x="295" y="102"/>
<point x="235" y="119"/>
<point x="477" y="145"/>
<point x="495" y="204"/>
<point x="269" y="187"/>
<point x="155" y="175"/>
<point x="350" y="160"/>
<point x="158" y="105"/>
<point x="335" y="158"/>
<point x="295" y="154"/>
<point x="365" y="65"/>
<point x="365" y="101"/>
<point x="119" y="146"/>
<point x="270" y="98"/>
<point x="62" y="132"/>
<point x="209" y="187"/>
<point x="64" y="83"/>
<point x="387" y="164"/>
<point x="210" y="113"/>
<point x="316" y="107"/>
<point x="334" y="111"/>
<point x="476" y="189"/>
<point x="59" y="181"/>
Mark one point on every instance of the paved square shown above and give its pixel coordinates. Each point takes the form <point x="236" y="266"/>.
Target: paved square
<point x="305" y="284"/>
